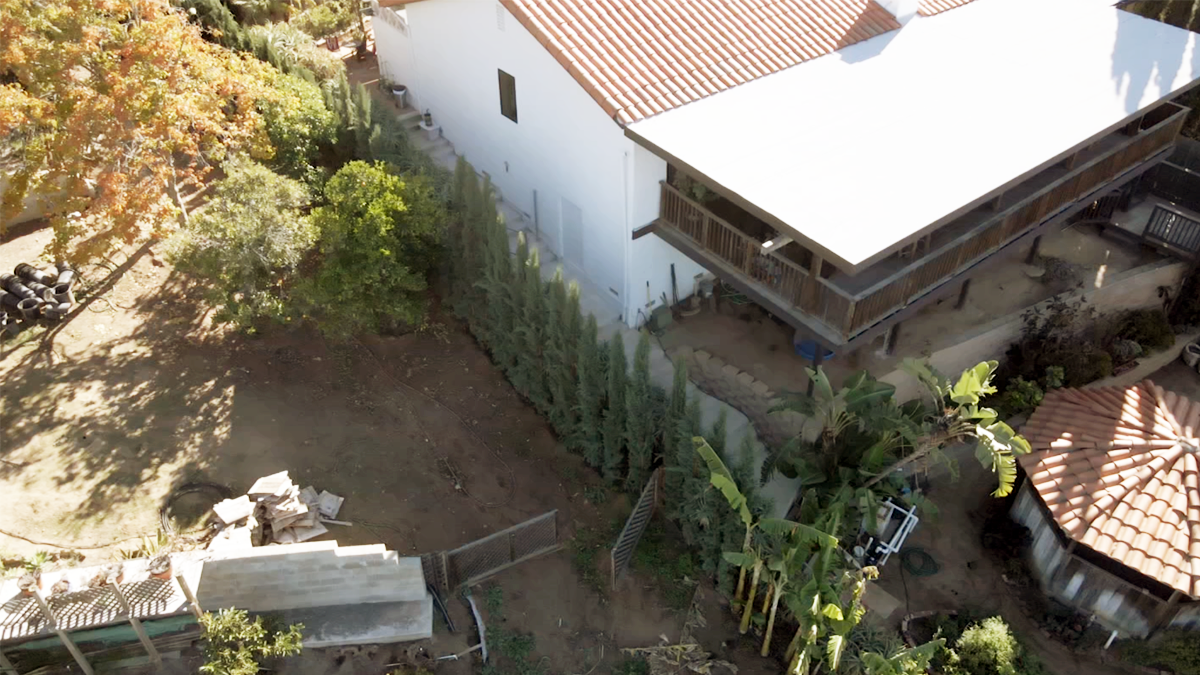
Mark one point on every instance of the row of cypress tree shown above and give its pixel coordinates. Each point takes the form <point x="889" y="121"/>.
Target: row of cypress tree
<point x="613" y="415"/>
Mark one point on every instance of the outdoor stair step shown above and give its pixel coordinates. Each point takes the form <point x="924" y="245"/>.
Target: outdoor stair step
<point x="409" y="119"/>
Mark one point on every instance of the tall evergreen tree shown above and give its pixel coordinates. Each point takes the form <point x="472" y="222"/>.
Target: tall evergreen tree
<point x="531" y="374"/>
<point x="672" y="418"/>
<point x="481" y="212"/>
<point x="641" y="418"/>
<point x="464" y="193"/>
<point x="716" y="435"/>
<point x="590" y="399"/>
<point x="562" y="345"/>
<point x="497" y="282"/>
<point x="516" y="301"/>
<point x="614" y="412"/>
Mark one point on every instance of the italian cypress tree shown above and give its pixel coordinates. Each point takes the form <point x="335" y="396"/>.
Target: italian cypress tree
<point x="590" y="397"/>
<point x="672" y="419"/>
<point x="562" y="345"/>
<point x="516" y="301"/>
<point x="613" y="430"/>
<point x="481" y="211"/>
<point x="531" y="364"/>
<point x="716" y="435"/>
<point x="640" y="418"/>
<point x="496" y="282"/>
<point x="466" y="187"/>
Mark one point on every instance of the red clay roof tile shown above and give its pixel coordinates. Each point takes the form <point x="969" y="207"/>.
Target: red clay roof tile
<point x="1119" y="470"/>
<point x="755" y="37"/>
<point x="931" y="7"/>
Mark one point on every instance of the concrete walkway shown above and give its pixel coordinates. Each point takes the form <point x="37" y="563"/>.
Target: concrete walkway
<point x="607" y="311"/>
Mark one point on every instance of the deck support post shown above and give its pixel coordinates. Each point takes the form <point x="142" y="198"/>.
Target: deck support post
<point x="1163" y="616"/>
<point x="889" y="338"/>
<point x="80" y="659"/>
<point x="143" y="637"/>
<point x="1034" y="250"/>
<point x="817" y="360"/>
<point x="962" y="294"/>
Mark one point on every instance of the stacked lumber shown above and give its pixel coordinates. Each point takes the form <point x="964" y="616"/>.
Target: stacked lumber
<point x="275" y="510"/>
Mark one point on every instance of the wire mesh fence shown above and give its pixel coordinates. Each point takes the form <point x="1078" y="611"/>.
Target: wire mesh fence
<point x="623" y="550"/>
<point x="481" y="559"/>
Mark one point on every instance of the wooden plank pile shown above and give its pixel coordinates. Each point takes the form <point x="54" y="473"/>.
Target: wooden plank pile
<point x="275" y="510"/>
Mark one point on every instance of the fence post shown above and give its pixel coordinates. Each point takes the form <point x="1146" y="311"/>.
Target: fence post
<point x="6" y="666"/>
<point x="193" y="604"/>
<point x="137" y="625"/>
<point x="62" y="635"/>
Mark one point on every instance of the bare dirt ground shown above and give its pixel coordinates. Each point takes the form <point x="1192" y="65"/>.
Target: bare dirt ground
<point x="138" y="392"/>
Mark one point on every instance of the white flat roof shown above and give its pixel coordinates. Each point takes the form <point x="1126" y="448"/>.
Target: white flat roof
<point x="867" y="147"/>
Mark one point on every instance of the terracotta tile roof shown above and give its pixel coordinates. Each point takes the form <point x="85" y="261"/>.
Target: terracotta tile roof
<point x="638" y="58"/>
<point x="1119" y="469"/>
<point x="931" y="7"/>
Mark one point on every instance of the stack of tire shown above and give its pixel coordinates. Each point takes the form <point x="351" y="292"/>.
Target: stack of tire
<point x="32" y="293"/>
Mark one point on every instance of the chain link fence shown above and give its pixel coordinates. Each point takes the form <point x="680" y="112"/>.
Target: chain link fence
<point x="470" y="564"/>
<point x="622" y="552"/>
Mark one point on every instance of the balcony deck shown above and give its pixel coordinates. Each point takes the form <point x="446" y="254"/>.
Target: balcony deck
<point x="841" y="308"/>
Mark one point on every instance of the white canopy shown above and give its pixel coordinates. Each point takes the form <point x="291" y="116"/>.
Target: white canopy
<point x="864" y="149"/>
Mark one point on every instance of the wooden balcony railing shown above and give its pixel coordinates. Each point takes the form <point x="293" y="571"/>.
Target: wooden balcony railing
<point x="949" y="260"/>
<point x="848" y="315"/>
<point x="793" y="284"/>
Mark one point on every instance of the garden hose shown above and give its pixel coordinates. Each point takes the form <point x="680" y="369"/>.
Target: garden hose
<point x="732" y="296"/>
<point x="917" y="562"/>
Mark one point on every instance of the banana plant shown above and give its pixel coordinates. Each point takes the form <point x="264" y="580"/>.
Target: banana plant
<point x="721" y="478"/>
<point x="912" y="661"/>
<point x="822" y="616"/>
<point x="959" y="417"/>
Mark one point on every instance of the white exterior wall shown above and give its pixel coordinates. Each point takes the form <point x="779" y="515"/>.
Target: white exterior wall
<point x="394" y="50"/>
<point x="563" y="146"/>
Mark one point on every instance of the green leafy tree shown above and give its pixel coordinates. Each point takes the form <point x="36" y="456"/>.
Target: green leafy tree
<point x="300" y="127"/>
<point x="247" y="241"/>
<point x="613" y="430"/>
<point x="641" y="418"/>
<point x="590" y="400"/>
<point x="379" y="239"/>
<point x="233" y="644"/>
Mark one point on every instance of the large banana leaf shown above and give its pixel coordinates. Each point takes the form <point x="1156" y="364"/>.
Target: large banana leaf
<point x="723" y="480"/>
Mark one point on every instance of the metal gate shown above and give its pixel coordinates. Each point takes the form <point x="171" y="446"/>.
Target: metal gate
<point x="470" y="564"/>
<point x="1173" y="231"/>
<point x="622" y="552"/>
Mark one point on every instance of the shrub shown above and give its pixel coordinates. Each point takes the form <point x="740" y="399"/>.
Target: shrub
<point x="379" y="239"/>
<point x="288" y="48"/>
<point x="1177" y="650"/>
<point x="1020" y="397"/>
<point x="299" y="126"/>
<point x="990" y="648"/>
<point x="233" y="643"/>
<point x="1186" y="310"/>
<point x="326" y="19"/>
<point x="247" y="241"/>
<point x="1149" y="328"/>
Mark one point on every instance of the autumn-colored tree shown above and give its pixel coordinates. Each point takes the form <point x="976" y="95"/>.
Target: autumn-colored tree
<point x="113" y="108"/>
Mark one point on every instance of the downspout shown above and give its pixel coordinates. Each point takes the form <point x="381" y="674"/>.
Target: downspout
<point x="627" y="235"/>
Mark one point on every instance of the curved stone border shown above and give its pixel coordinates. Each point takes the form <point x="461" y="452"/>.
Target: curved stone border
<point x="904" y="623"/>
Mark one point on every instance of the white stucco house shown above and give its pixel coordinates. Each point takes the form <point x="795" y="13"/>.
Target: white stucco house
<point x="860" y="158"/>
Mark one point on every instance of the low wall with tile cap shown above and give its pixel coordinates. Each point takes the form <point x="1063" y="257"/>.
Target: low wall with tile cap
<point x="1134" y="289"/>
<point x="309" y="575"/>
<point x="1117" y="604"/>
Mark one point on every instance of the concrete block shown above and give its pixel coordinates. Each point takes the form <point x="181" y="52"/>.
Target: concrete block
<point x="760" y="388"/>
<point x="700" y="356"/>
<point x="730" y="370"/>
<point x="382" y="623"/>
<point x="746" y="379"/>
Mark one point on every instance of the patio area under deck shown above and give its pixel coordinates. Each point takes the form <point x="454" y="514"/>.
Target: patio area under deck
<point x="846" y="311"/>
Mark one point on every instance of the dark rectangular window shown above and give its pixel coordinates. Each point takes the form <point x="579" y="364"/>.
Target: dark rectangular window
<point x="508" y="95"/>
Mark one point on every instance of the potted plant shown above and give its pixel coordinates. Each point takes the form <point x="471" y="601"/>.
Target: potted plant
<point x="431" y="132"/>
<point x="401" y="93"/>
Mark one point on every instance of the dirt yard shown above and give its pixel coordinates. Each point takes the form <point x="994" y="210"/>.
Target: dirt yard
<point x="138" y="392"/>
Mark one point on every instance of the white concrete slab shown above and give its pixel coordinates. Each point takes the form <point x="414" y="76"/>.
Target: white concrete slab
<point x="863" y="149"/>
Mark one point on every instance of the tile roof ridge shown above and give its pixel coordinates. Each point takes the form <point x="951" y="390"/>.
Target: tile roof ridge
<point x="1166" y="400"/>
